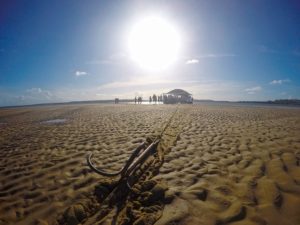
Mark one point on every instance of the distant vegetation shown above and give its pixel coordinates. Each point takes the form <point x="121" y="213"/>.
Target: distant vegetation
<point x="295" y="102"/>
<point x="277" y="101"/>
<point x="286" y="101"/>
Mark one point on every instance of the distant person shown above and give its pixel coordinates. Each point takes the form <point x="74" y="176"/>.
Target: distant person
<point x="135" y="100"/>
<point x="154" y="98"/>
<point x="150" y="99"/>
<point x="140" y="100"/>
<point x="165" y="99"/>
<point x="116" y="101"/>
<point x="159" y="98"/>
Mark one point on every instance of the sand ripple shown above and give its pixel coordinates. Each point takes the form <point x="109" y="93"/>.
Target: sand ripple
<point x="234" y="165"/>
<point x="222" y="165"/>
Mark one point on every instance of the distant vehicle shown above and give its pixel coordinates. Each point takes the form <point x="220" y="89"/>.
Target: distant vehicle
<point x="177" y="96"/>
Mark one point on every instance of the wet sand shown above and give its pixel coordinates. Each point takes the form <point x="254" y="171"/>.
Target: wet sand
<point x="221" y="164"/>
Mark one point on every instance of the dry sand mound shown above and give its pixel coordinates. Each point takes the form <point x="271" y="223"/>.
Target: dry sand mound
<point x="222" y="165"/>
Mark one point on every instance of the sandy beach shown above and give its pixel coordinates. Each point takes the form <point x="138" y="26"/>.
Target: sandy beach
<point x="220" y="164"/>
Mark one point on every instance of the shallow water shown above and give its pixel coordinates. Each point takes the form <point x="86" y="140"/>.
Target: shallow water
<point x="55" y="121"/>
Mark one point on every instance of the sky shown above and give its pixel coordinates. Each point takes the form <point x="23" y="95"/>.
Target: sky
<point x="60" y="51"/>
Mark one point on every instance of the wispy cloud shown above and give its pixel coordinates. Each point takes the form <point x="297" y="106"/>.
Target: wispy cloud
<point x="296" y="52"/>
<point x="253" y="90"/>
<point x="200" y="89"/>
<point x="210" y="55"/>
<point x="283" y="93"/>
<point x="275" y="82"/>
<point x="38" y="93"/>
<point x="266" y="49"/>
<point x="135" y="83"/>
<point x="114" y="58"/>
<point x="34" y="90"/>
<point x="80" y="73"/>
<point x="192" y="61"/>
<point x="217" y="55"/>
<point x="98" y="62"/>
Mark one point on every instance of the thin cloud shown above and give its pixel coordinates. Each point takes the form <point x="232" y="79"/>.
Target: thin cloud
<point x="266" y="49"/>
<point x="253" y="90"/>
<point x="296" y="52"/>
<point x="283" y="93"/>
<point x="80" y="73"/>
<point x="192" y="61"/>
<point x="217" y="55"/>
<point x="98" y="62"/>
<point x="135" y="83"/>
<point x="38" y="94"/>
<point x="34" y="90"/>
<point x="210" y="55"/>
<point x="279" y="82"/>
<point x="215" y="90"/>
<point x="114" y="58"/>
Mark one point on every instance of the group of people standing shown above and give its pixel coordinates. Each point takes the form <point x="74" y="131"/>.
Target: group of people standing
<point x="154" y="98"/>
<point x="138" y="100"/>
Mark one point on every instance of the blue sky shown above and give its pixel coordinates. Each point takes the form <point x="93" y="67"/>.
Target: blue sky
<point x="56" y="51"/>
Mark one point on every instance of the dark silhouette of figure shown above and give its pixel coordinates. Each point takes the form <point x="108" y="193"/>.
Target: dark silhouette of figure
<point x="135" y="100"/>
<point x="164" y="98"/>
<point x="159" y="98"/>
<point x="150" y="99"/>
<point x="116" y="101"/>
<point x="154" y="98"/>
<point x="140" y="100"/>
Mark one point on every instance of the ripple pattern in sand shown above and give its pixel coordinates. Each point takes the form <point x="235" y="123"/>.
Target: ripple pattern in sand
<point x="223" y="165"/>
<point x="234" y="165"/>
<point x="43" y="168"/>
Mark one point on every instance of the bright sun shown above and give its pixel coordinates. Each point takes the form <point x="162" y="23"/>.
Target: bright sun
<point x="153" y="43"/>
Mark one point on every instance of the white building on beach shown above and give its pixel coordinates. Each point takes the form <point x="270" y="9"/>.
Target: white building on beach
<point x="177" y="96"/>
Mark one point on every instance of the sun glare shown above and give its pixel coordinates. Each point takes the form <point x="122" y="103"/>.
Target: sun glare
<point x="154" y="43"/>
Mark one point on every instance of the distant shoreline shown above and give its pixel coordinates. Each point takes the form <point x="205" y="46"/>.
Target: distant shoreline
<point x="280" y="102"/>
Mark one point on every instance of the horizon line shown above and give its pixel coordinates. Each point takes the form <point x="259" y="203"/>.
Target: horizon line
<point x="276" y="101"/>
